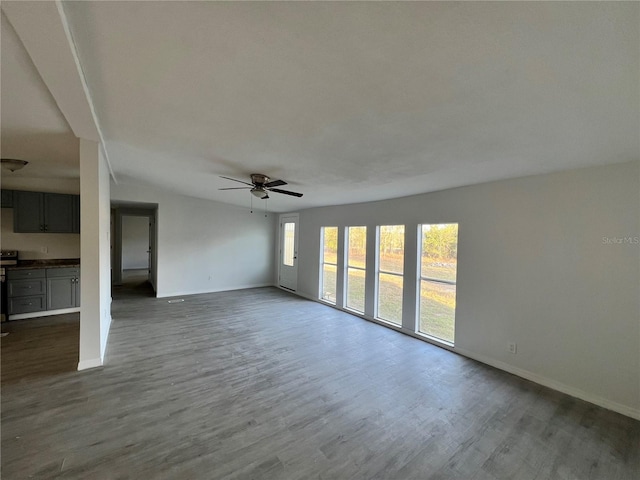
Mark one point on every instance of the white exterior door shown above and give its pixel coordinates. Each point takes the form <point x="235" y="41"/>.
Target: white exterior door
<point x="288" y="264"/>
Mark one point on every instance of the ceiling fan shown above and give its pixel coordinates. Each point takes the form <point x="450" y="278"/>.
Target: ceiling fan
<point x="261" y="185"/>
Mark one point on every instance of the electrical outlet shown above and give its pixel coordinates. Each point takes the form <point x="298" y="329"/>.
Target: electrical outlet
<point x="512" y="347"/>
<point x="44" y="249"/>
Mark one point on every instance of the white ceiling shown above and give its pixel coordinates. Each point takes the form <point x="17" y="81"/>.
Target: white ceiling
<point x="352" y="102"/>
<point x="33" y="128"/>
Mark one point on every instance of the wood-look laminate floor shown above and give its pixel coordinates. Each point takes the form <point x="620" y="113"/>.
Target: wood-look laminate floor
<point x="261" y="384"/>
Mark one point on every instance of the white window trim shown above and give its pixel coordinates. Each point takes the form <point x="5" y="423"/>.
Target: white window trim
<point x="422" y="278"/>
<point x="379" y="271"/>
<point x="321" y="268"/>
<point x="347" y="267"/>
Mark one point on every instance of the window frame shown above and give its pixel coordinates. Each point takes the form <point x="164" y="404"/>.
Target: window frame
<point x="288" y="247"/>
<point x="323" y="263"/>
<point x="422" y="278"/>
<point x="348" y="267"/>
<point x="386" y="272"/>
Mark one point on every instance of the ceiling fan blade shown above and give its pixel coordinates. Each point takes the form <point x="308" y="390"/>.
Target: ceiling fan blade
<point x="286" y="192"/>
<point x="229" y="178"/>
<point x="275" y="183"/>
<point x="235" y="188"/>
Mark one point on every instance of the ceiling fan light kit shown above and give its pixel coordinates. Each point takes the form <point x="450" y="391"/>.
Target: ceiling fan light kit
<point x="261" y="185"/>
<point x="12" y="164"/>
<point x="260" y="193"/>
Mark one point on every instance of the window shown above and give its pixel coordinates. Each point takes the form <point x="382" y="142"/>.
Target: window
<point x="438" y="270"/>
<point x="289" y="242"/>
<point x="329" y="263"/>
<point x="356" y="267"/>
<point x="390" y="273"/>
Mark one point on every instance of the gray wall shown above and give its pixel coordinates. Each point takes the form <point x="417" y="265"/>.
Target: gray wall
<point x="206" y="246"/>
<point x="135" y="242"/>
<point x="534" y="267"/>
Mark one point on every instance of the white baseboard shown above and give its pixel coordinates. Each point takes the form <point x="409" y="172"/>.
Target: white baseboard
<point x="554" y="384"/>
<point x="225" y="289"/>
<point x="44" y="313"/>
<point x="91" y="363"/>
<point x="527" y="375"/>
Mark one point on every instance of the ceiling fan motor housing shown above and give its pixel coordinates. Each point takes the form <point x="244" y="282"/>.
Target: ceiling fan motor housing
<point x="259" y="179"/>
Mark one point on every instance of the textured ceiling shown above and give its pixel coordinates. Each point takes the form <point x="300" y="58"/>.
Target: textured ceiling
<point x="358" y="101"/>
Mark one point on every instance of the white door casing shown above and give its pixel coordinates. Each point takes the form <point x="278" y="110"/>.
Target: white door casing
<point x="288" y="246"/>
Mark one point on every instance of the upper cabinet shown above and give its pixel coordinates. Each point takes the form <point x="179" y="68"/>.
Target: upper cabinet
<point x="28" y="213"/>
<point x="7" y="199"/>
<point x="37" y="212"/>
<point x="76" y="213"/>
<point x="58" y="213"/>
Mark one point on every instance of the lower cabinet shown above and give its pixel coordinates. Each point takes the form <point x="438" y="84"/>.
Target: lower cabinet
<point x="41" y="289"/>
<point x="63" y="288"/>
<point x="26" y="304"/>
<point x="26" y="291"/>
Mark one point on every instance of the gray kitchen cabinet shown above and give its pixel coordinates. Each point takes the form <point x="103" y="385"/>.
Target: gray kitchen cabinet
<point x="25" y="274"/>
<point x="39" y="289"/>
<point x="58" y="213"/>
<point x="26" y="304"/>
<point x="26" y="291"/>
<point x="20" y="288"/>
<point x="76" y="214"/>
<point x="7" y="199"/>
<point x="63" y="288"/>
<point x="37" y="212"/>
<point x="28" y="212"/>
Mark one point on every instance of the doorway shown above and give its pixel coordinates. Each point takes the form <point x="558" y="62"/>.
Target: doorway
<point x="134" y="247"/>
<point x="136" y="242"/>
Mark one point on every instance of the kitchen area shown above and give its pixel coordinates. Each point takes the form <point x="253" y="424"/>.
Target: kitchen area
<point x="40" y="179"/>
<point x="39" y="262"/>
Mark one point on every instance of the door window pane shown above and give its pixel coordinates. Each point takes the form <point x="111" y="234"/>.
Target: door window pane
<point x="289" y="242"/>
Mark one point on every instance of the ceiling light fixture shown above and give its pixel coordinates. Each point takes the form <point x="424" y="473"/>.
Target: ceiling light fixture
<point x="13" y="164"/>
<point x="259" y="192"/>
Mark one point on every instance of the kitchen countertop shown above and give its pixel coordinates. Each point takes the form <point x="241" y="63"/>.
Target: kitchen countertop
<point x="52" y="263"/>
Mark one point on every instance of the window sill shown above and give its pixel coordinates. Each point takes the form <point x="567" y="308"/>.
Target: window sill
<point x="388" y="322"/>
<point x="435" y="340"/>
<point x="328" y="302"/>
<point x="354" y="311"/>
